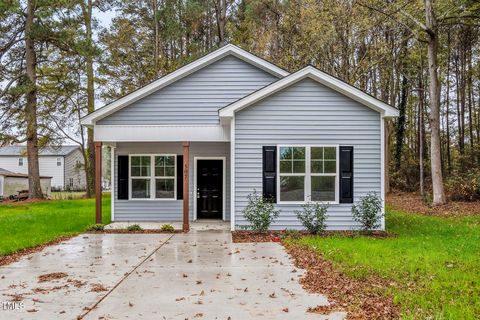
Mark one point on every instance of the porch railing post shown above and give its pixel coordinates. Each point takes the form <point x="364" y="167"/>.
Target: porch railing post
<point x="98" y="182"/>
<point x="186" y="153"/>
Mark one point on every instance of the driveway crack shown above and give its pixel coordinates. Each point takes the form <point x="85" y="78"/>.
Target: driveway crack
<point x="125" y="276"/>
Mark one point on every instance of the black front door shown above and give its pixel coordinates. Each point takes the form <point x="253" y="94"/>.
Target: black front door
<point x="209" y="189"/>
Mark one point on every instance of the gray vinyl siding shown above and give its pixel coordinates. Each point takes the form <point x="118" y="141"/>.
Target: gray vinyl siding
<point x="75" y="172"/>
<point x="167" y="210"/>
<point x="306" y="113"/>
<point x="196" y="98"/>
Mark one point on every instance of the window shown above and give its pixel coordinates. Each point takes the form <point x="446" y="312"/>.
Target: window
<point x="152" y="176"/>
<point x="292" y="174"/>
<point x="59" y="162"/>
<point x="20" y="162"/>
<point x="308" y="173"/>
<point x="70" y="183"/>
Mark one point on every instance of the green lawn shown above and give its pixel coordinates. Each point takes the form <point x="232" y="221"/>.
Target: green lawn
<point x="434" y="261"/>
<point x="27" y="225"/>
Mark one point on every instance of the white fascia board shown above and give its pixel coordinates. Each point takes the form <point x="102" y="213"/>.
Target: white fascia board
<point x="160" y="133"/>
<point x="315" y="74"/>
<point x="89" y="120"/>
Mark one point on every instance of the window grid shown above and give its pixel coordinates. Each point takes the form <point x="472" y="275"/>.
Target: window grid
<point x="308" y="172"/>
<point x="151" y="177"/>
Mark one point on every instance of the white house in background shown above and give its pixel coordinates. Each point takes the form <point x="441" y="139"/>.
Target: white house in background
<point x="196" y="142"/>
<point x="64" y="164"/>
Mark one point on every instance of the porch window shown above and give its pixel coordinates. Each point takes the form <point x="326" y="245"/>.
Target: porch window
<point x="152" y="176"/>
<point x="308" y="173"/>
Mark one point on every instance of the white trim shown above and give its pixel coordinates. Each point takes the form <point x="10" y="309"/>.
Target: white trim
<point x="112" y="182"/>
<point x="232" y="175"/>
<point x="198" y="64"/>
<point x="224" y="184"/>
<point x="152" y="176"/>
<point x="155" y="133"/>
<point x="382" y="170"/>
<point x="308" y="175"/>
<point x="227" y="112"/>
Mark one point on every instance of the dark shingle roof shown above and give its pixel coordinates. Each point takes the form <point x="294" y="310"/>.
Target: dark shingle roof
<point x="47" y="151"/>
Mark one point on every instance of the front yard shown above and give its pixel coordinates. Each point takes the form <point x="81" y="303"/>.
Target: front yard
<point x="433" y="265"/>
<point x="31" y="224"/>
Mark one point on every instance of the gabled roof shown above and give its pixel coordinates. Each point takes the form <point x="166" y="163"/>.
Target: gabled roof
<point x="164" y="81"/>
<point x="46" y="151"/>
<point x="336" y="84"/>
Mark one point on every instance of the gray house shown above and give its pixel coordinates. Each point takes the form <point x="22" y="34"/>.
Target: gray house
<point x="64" y="164"/>
<point x="196" y="142"/>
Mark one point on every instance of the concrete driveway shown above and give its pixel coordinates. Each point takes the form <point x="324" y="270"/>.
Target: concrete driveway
<point x="156" y="276"/>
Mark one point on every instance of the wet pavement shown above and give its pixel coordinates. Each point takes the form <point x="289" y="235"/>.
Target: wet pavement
<point x="199" y="275"/>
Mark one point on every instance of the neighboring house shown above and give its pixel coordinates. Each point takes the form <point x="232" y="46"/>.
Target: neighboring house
<point x="64" y="164"/>
<point x="12" y="182"/>
<point x="196" y="142"/>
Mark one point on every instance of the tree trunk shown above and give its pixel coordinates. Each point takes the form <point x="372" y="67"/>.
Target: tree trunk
<point x="220" y="13"/>
<point x="447" y="110"/>
<point x="434" y="88"/>
<point x="401" y="123"/>
<point x="421" y="130"/>
<point x="34" y="187"/>
<point x="90" y="164"/>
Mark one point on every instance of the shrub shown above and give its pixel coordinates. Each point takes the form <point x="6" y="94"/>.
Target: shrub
<point x="96" y="227"/>
<point x="259" y="212"/>
<point x="134" y="227"/>
<point x="167" y="228"/>
<point x="368" y="211"/>
<point x="464" y="186"/>
<point x="313" y="216"/>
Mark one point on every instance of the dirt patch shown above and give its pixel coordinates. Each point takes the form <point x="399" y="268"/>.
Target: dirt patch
<point x="361" y="299"/>
<point x="10" y="258"/>
<point x="412" y="202"/>
<point x="51" y="276"/>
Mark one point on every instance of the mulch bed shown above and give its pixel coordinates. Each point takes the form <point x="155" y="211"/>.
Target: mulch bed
<point x="4" y="260"/>
<point x="412" y="202"/>
<point x="244" y="236"/>
<point x="361" y="299"/>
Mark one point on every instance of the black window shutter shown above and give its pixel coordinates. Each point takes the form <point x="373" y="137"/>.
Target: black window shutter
<point x="269" y="172"/>
<point x="179" y="177"/>
<point x="122" y="192"/>
<point x="346" y="174"/>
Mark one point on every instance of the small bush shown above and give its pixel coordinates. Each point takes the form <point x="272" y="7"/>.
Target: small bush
<point x="134" y="227"/>
<point x="464" y="186"/>
<point x="259" y="212"/>
<point x="368" y="211"/>
<point x="313" y="216"/>
<point x="290" y="234"/>
<point x="96" y="227"/>
<point x="167" y="228"/>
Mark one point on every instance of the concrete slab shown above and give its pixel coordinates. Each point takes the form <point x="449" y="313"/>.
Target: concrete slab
<point x="159" y="276"/>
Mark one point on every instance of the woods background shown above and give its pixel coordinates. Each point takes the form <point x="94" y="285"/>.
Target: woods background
<point x="422" y="56"/>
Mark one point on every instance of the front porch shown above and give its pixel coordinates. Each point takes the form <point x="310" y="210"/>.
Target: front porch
<point x="155" y="183"/>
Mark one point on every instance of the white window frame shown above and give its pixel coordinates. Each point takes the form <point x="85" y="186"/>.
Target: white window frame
<point x="152" y="177"/>
<point x="20" y="162"/>
<point x="59" y="161"/>
<point x="308" y="174"/>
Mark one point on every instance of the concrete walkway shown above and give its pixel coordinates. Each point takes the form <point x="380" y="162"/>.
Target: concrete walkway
<point x="199" y="275"/>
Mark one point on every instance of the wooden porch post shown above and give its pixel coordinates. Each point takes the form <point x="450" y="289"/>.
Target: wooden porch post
<point x="186" y="152"/>
<point x="98" y="182"/>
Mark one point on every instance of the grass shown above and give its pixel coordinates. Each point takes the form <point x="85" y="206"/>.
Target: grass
<point x="30" y="224"/>
<point x="67" y="195"/>
<point x="434" y="263"/>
